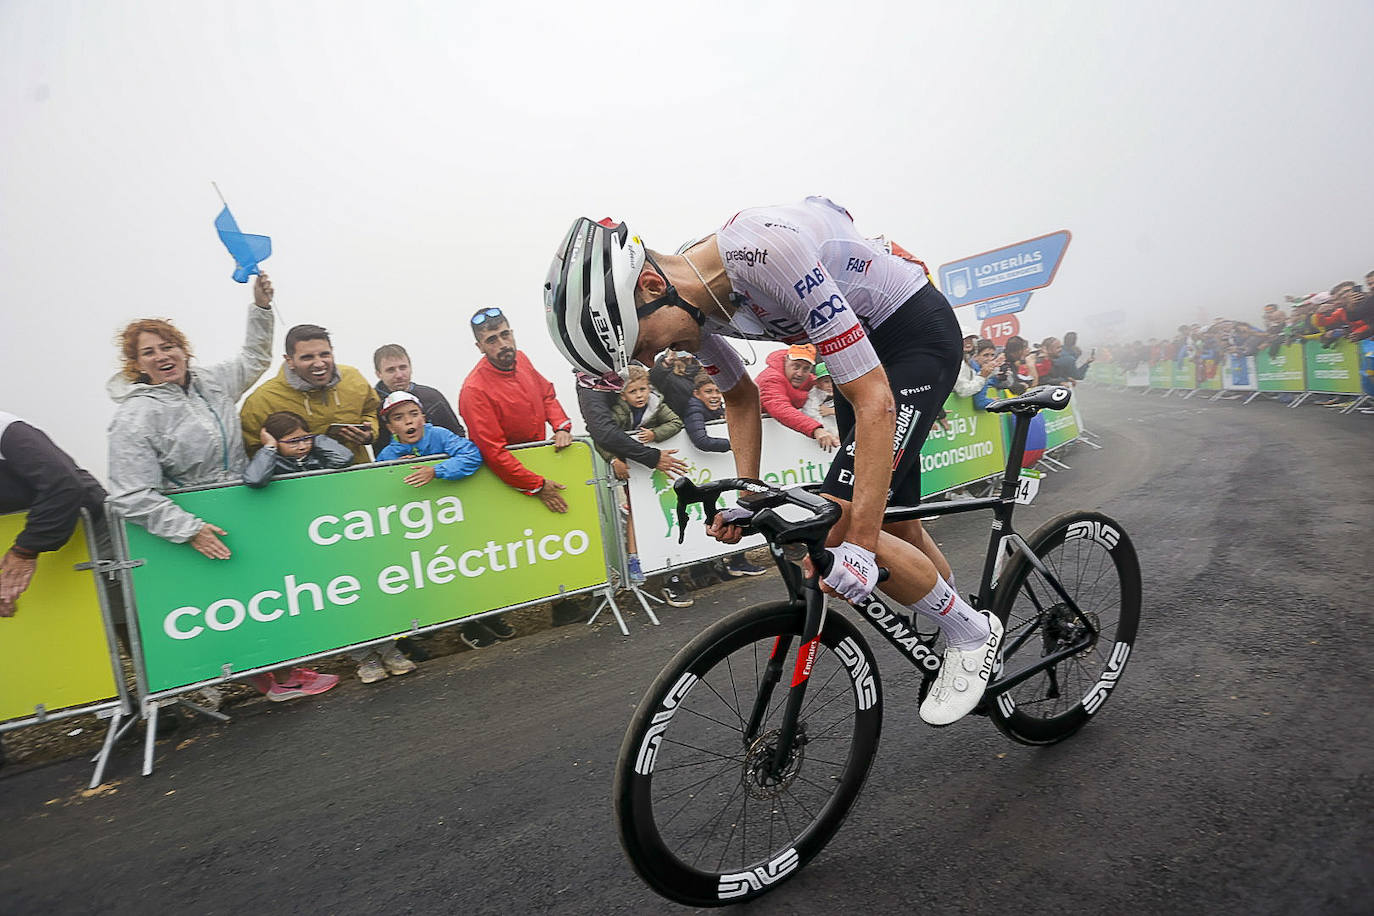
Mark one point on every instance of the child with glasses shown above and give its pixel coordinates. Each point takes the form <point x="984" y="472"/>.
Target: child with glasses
<point x="288" y="449"/>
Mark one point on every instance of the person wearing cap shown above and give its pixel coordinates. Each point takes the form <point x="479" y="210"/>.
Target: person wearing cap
<point x="784" y="386"/>
<point x="820" y="401"/>
<point x="413" y="437"/>
<point x="505" y="400"/>
<point x="393" y="367"/>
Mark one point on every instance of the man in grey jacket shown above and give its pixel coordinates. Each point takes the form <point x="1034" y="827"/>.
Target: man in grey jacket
<point x="177" y="426"/>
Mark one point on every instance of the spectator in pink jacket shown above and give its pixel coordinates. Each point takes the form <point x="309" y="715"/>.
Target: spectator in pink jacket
<point x="783" y="389"/>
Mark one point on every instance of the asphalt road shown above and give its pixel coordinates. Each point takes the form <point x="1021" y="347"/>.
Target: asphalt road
<point x="1230" y="773"/>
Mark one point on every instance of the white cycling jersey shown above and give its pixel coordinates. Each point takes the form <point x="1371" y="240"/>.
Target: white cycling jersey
<point x="802" y="273"/>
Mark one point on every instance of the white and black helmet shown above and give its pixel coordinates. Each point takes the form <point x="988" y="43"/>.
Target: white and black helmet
<point x="589" y="296"/>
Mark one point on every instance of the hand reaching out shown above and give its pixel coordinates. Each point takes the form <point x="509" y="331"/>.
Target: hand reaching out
<point x="207" y="542"/>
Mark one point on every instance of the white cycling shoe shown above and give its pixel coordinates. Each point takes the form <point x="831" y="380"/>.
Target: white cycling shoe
<point x="963" y="678"/>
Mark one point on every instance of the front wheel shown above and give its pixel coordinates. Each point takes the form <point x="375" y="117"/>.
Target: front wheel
<point x="705" y="815"/>
<point x="1095" y="563"/>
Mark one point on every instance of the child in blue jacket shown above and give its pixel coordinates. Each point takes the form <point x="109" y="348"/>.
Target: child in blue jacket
<point x="411" y="436"/>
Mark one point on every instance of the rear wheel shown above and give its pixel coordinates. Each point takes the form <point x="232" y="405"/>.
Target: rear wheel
<point x="1096" y="565"/>
<point x="703" y="813"/>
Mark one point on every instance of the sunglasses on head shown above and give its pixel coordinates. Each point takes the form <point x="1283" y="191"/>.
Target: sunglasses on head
<point x="482" y="316"/>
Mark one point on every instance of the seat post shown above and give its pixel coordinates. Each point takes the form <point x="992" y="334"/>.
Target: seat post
<point x="1017" y="453"/>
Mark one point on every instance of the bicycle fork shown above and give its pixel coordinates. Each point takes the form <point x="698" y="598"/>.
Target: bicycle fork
<point x="801" y="674"/>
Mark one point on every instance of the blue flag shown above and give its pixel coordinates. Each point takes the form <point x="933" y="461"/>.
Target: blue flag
<point x="247" y="249"/>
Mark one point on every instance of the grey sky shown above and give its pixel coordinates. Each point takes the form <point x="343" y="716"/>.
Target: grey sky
<point x="413" y="162"/>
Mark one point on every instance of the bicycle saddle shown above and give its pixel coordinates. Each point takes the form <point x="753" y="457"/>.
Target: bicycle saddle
<point x="1054" y="397"/>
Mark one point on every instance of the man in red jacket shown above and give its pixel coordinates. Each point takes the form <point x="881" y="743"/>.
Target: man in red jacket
<point x="505" y="400"/>
<point x="783" y="389"/>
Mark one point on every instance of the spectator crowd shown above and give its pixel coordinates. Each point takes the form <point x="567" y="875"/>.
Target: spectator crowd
<point x="1344" y="312"/>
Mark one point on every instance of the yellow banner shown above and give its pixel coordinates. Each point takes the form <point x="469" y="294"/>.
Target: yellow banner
<point x="54" y="647"/>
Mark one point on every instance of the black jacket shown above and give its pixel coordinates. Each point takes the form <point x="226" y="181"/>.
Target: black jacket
<point x="698" y="415"/>
<point x="436" y="407"/>
<point x="38" y="476"/>
<point x="607" y="433"/>
<point x="267" y="463"/>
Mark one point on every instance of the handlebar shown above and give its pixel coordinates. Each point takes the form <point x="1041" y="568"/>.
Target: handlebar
<point x="762" y="499"/>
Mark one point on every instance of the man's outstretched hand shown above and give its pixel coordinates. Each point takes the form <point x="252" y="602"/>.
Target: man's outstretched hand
<point x="548" y="494"/>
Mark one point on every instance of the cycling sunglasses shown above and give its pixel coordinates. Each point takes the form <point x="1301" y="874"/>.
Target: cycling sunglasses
<point x="482" y="316"/>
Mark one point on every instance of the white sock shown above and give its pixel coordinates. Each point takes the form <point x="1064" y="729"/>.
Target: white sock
<point x="964" y="628"/>
<point x="950" y="579"/>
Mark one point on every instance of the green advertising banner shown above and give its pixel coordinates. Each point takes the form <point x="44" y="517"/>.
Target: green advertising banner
<point x="1185" y="374"/>
<point x="972" y="449"/>
<point x="1162" y="374"/>
<point x="335" y="559"/>
<point x="1281" y="372"/>
<point x="1061" y="426"/>
<point x="1334" y="370"/>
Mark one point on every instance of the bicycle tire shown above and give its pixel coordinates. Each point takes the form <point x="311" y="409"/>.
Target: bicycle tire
<point x="695" y="712"/>
<point x="1096" y="563"/>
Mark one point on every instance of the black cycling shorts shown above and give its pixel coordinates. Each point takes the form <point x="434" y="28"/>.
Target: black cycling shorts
<point x="921" y="348"/>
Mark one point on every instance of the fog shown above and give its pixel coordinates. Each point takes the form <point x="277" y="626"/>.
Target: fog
<point x="413" y="162"/>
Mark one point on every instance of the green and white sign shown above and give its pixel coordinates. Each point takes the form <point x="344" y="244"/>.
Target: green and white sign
<point x="1333" y="370"/>
<point x="1281" y="372"/>
<point x="973" y="448"/>
<point x="335" y="559"/>
<point x="1185" y="375"/>
<point x="1061" y="426"/>
<point x="1162" y="374"/>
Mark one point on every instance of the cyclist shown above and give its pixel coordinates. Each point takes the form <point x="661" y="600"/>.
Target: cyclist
<point x="799" y="273"/>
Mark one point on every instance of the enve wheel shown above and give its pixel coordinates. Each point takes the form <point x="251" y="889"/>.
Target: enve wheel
<point x="703" y="812"/>
<point x="1094" y="561"/>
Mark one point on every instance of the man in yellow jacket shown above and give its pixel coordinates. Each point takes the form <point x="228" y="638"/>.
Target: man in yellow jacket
<point x="334" y="400"/>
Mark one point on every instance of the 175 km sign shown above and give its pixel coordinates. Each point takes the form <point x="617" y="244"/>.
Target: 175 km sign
<point x="1000" y="328"/>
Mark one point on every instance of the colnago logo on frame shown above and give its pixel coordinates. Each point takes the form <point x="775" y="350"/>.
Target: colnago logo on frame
<point x="1098" y="695"/>
<point x="864" y="687"/>
<point x="900" y="634"/>
<point x="758" y="877"/>
<point x="648" y="751"/>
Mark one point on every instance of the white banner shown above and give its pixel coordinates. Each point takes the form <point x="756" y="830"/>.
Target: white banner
<point x="1139" y="377"/>
<point x="788" y="459"/>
